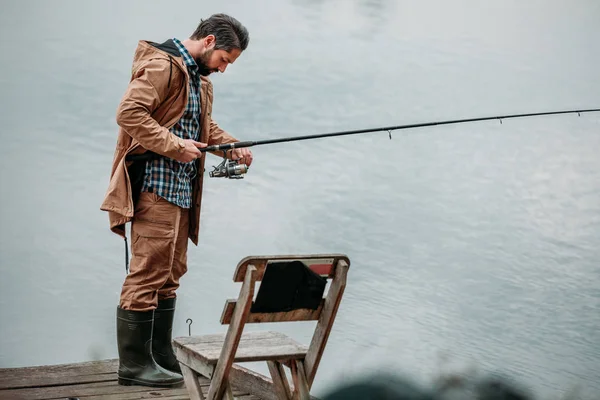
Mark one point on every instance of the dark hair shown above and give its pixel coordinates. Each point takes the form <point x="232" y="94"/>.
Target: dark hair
<point x="229" y="32"/>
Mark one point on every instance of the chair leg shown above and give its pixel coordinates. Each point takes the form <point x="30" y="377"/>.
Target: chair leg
<point x="220" y="377"/>
<point x="228" y="394"/>
<point x="301" y="391"/>
<point x="192" y="384"/>
<point x="280" y="382"/>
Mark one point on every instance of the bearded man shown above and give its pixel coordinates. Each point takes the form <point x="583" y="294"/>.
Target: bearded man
<point x="166" y="110"/>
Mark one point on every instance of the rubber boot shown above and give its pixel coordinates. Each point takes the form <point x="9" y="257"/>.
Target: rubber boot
<point x="136" y="365"/>
<point x="162" y="348"/>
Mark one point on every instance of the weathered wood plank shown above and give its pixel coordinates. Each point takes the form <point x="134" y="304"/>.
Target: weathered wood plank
<point x="43" y="380"/>
<point x="294" y="372"/>
<point x="263" y="353"/>
<point x="303" y="391"/>
<point x="232" y="339"/>
<point x="169" y="394"/>
<point x="79" y="390"/>
<point x="280" y="382"/>
<point x="47" y="375"/>
<point x="321" y="334"/>
<point x="303" y="314"/>
<point x="220" y="337"/>
<point x="252" y="382"/>
<point x="192" y="383"/>
<point x="228" y="394"/>
<point x="82" y="368"/>
<point x="273" y="346"/>
<point x="259" y="262"/>
<point x="200" y="366"/>
<point x="134" y="396"/>
<point x="131" y="396"/>
<point x="179" y="394"/>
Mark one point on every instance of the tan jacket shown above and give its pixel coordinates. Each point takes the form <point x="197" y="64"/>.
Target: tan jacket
<point x="154" y="101"/>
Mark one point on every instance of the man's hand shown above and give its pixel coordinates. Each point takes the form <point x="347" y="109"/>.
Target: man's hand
<point x="190" y="152"/>
<point x="243" y="155"/>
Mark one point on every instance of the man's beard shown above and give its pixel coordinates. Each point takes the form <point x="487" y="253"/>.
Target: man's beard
<point x="202" y="63"/>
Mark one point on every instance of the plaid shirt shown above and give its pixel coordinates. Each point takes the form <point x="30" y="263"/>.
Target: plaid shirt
<point x="169" y="178"/>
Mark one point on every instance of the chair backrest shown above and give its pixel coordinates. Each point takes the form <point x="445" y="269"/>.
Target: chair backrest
<point x="329" y="266"/>
<point x="333" y="267"/>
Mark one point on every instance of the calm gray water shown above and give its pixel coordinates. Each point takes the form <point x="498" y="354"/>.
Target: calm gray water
<point x="477" y="242"/>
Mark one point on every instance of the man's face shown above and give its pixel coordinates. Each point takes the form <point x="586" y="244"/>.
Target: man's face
<point x="216" y="60"/>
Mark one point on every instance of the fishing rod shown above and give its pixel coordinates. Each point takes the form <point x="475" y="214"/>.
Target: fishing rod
<point x="234" y="170"/>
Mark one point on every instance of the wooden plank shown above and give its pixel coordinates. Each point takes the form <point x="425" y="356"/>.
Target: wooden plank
<point x="294" y="372"/>
<point x="166" y="394"/>
<point x="252" y="382"/>
<point x="303" y="391"/>
<point x="183" y="341"/>
<point x="192" y="383"/>
<point x="280" y="383"/>
<point x="234" y="334"/>
<point x="286" y="384"/>
<point x="259" y="262"/>
<point x="82" y="368"/>
<point x="194" y="362"/>
<point x="268" y="347"/>
<point x="248" y="339"/>
<point x="79" y="390"/>
<point x="180" y="394"/>
<point x="132" y="396"/>
<point x="263" y="353"/>
<point x="228" y="395"/>
<point x="237" y="395"/>
<point x="46" y="375"/>
<point x="321" y="334"/>
<point x="40" y="379"/>
<point x="304" y="314"/>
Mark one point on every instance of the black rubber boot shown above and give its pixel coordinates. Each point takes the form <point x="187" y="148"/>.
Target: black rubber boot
<point x="136" y="365"/>
<point x="162" y="348"/>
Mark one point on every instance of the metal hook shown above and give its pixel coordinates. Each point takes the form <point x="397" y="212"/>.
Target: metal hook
<point x="500" y="119"/>
<point x="390" y="133"/>
<point x="579" y="114"/>
<point x="189" y="322"/>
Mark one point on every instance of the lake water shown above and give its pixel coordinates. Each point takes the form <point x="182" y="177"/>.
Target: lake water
<point x="478" y="242"/>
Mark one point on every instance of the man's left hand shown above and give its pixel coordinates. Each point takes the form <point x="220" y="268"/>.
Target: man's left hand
<point x="243" y="155"/>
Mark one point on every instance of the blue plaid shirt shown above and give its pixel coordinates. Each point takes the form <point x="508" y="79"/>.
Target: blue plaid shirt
<point x="169" y="178"/>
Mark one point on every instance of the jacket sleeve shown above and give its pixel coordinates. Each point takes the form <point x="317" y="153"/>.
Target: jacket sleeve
<point x="147" y="89"/>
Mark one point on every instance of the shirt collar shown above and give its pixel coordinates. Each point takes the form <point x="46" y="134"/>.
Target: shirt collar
<point x="188" y="60"/>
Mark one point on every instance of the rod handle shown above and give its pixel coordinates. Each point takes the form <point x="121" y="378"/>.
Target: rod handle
<point x="228" y="146"/>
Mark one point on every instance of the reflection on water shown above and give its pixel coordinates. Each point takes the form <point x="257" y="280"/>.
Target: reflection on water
<point x="477" y="241"/>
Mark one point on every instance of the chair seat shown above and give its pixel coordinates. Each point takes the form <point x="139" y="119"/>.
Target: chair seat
<point x="254" y="346"/>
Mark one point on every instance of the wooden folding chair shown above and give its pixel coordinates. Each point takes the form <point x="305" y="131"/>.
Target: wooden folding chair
<point x="214" y="356"/>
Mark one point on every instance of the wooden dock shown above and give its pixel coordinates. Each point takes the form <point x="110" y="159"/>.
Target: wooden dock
<point x="86" y="381"/>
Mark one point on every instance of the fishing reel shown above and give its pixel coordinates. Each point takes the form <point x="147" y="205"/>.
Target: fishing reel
<point x="231" y="169"/>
